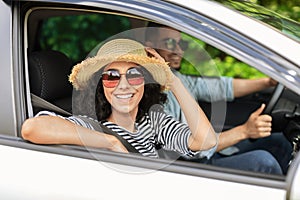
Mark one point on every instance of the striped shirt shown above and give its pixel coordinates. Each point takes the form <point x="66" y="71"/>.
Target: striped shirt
<point x="155" y="128"/>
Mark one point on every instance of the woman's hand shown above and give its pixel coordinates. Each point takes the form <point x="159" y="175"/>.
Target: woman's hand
<point x="117" y="146"/>
<point x="152" y="53"/>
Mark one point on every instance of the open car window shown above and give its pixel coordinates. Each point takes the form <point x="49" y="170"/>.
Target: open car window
<point x="66" y="37"/>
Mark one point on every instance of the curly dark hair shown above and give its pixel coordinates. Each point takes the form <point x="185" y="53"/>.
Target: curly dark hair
<point x="153" y="95"/>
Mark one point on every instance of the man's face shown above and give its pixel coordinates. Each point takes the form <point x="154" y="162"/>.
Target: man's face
<point x="169" y="46"/>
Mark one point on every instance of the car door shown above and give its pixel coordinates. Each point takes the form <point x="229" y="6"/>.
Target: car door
<point x="54" y="171"/>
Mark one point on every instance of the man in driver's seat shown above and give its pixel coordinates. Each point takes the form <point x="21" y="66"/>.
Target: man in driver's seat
<point x="168" y="43"/>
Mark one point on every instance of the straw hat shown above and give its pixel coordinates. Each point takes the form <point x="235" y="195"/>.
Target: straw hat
<point x="120" y="50"/>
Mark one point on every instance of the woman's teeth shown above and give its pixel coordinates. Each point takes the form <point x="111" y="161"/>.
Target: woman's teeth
<point x="124" y="96"/>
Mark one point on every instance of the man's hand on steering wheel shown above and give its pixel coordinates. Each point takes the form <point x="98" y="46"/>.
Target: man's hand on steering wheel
<point x="258" y="125"/>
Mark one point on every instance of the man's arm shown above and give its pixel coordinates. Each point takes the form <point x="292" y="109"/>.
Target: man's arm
<point x="56" y="130"/>
<point x="257" y="126"/>
<point x="242" y="87"/>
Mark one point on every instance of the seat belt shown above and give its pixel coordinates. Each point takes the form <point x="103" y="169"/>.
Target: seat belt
<point x="42" y="103"/>
<point x="126" y="144"/>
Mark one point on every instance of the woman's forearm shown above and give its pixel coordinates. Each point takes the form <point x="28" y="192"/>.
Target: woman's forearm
<point x="55" y="130"/>
<point x="203" y="135"/>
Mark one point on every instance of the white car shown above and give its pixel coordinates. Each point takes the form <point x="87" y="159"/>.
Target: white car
<point x="69" y="29"/>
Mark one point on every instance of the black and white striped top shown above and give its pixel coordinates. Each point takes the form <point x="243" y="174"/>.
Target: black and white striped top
<point x="156" y="128"/>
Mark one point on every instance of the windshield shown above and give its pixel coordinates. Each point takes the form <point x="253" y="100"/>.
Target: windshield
<point x="284" y="25"/>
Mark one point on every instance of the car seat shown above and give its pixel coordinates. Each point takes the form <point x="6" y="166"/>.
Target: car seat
<point x="48" y="78"/>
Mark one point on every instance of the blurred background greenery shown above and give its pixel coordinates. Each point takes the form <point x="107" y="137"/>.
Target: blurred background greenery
<point x="287" y="8"/>
<point x="56" y="35"/>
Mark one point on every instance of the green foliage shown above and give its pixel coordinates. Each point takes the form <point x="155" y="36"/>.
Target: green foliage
<point x="217" y="67"/>
<point x="205" y="60"/>
<point x="58" y="33"/>
<point x="287" y="8"/>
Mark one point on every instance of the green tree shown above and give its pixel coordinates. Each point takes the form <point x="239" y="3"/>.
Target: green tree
<point x="287" y="8"/>
<point x="58" y="33"/>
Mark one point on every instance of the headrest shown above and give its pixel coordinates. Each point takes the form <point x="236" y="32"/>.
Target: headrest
<point x="48" y="74"/>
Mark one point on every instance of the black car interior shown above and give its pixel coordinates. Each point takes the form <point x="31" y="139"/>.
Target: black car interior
<point x="46" y="82"/>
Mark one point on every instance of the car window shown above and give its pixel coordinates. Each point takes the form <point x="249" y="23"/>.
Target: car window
<point x="65" y="38"/>
<point x="56" y="33"/>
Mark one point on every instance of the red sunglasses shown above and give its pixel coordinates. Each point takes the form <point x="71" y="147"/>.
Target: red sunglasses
<point x="111" y="77"/>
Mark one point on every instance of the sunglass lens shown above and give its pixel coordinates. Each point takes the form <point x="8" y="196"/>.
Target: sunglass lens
<point x="110" y="79"/>
<point x="183" y="45"/>
<point x="170" y="44"/>
<point x="134" y="76"/>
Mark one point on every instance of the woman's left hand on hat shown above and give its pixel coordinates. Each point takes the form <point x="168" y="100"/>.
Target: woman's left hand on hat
<point x="152" y="53"/>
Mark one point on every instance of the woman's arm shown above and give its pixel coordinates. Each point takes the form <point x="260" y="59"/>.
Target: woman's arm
<point x="56" y="130"/>
<point x="203" y="136"/>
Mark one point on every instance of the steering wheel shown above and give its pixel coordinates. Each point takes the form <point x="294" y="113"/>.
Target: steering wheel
<point x="274" y="98"/>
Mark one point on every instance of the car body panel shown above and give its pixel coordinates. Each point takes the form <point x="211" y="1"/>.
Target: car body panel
<point x="292" y="180"/>
<point x="7" y="121"/>
<point x="75" y="178"/>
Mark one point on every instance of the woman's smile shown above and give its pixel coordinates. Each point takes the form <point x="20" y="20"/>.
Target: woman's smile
<point x="125" y="99"/>
<point x="124" y="96"/>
